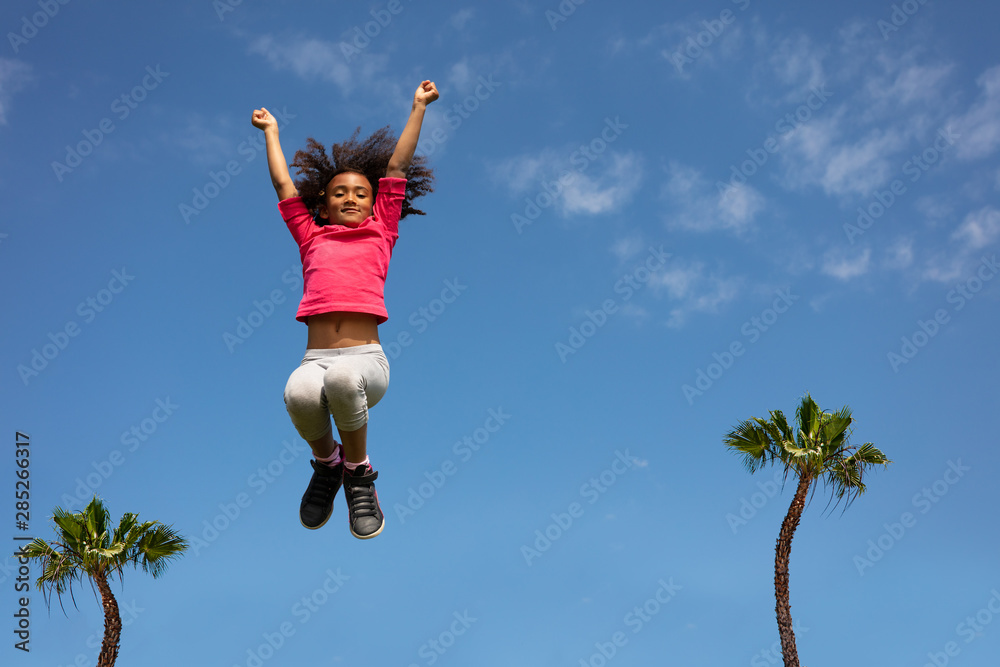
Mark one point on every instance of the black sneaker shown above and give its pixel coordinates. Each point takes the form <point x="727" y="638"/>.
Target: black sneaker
<point x="317" y="501"/>
<point x="362" y="502"/>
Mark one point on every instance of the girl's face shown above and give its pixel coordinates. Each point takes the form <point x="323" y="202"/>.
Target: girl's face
<point x="348" y="200"/>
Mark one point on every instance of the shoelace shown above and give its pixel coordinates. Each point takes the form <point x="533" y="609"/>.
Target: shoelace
<point x="321" y="488"/>
<point x="362" y="494"/>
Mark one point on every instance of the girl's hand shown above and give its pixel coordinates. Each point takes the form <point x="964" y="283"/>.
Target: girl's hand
<point x="426" y="93"/>
<point x="263" y="120"/>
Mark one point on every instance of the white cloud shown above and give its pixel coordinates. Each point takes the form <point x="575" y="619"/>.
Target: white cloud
<point x="694" y="288"/>
<point x="309" y="59"/>
<point x="685" y="52"/>
<point x="887" y="100"/>
<point x="679" y="281"/>
<point x="943" y="269"/>
<point x="738" y="206"/>
<point x="916" y="83"/>
<point x="819" y="154"/>
<point x="979" y="229"/>
<point x="843" y="267"/>
<point x="700" y="206"/>
<point x="635" y="311"/>
<point x="523" y="174"/>
<point x="979" y="127"/>
<point x="798" y="66"/>
<point x="627" y="248"/>
<point x="13" y="75"/>
<point x="608" y="184"/>
<point x="608" y="190"/>
<point x="900" y="254"/>
<point x="936" y="210"/>
<point x="818" y="302"/>
<point x="461" y="18"/>
<point x="206" y="142"/>
<point x="854" y="168"/>
<point x="460" y="74"/>
<point x="806" y="148"/>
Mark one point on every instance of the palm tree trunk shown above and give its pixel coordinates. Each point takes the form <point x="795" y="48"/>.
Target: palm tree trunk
<point x="783" y="551"/>
<point x="112" y="623"/>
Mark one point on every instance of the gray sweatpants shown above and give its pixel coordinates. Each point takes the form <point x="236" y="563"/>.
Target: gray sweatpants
<point x="342" y="382"/>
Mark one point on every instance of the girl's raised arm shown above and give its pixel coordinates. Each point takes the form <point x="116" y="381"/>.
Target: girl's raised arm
<point x="400" y="161"/>
<point x="280" y="178"/>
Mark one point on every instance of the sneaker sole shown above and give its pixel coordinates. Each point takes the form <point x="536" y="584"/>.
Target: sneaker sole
<point x="368" y="537"/>
<point x="315" y="527"/>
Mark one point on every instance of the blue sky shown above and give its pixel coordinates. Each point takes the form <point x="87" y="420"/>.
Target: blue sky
<point x="650" y="222"/>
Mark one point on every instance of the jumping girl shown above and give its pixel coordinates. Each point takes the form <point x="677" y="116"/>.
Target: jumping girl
<point x="344" y="213"/>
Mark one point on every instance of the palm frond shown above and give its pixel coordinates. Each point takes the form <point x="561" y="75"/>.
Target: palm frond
<point x="69" y="524"/>
<point x="753" y="442"/>
<point x="157" y="547"/>
<point x="846" y="476"/>
<point x="818" y="448"/>
<point x="808" y="416"/>
<point x="870" y="455"/>
<point x="125" y="527"/>
<point x="90" y="547"/>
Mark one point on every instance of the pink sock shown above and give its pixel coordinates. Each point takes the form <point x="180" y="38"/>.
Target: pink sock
<point x="352" y="466"/>
<point x="333" y="459"/>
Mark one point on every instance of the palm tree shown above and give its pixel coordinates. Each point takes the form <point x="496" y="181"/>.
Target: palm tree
<point x="817" y="449"/>
<point x="87" y="546"/>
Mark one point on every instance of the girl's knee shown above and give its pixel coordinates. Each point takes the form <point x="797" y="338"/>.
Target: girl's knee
<point x="343" y="381"/>
<point x="304" y="387"/>
<point x="299" y="398"/>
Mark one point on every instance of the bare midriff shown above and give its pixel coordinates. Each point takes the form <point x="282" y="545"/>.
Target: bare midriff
<point x="341" y="329"/>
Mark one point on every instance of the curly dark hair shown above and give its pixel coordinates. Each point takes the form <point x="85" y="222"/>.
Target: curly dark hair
<point x="368" y="157"/>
